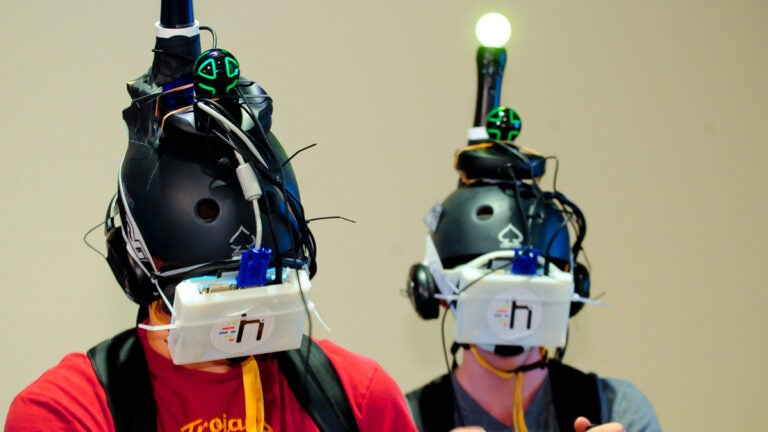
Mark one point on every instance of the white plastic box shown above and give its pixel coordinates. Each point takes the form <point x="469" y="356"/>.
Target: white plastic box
<point x="514" y="309"/>
<point x="213" y="322"/>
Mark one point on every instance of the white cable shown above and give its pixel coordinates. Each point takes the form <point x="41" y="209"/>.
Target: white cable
<point x="259" y="230"/>
<point x="245" y="174"/>
<point x="234" y="129"/>
<point x="251" y="192"/>
<point x="165" y="299"/>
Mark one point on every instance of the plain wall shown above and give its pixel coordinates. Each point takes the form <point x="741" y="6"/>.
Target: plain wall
<point x="656" y="110"/>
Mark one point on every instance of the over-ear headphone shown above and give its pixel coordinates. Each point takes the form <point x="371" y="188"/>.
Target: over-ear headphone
<point x="421" y="290"/>
<point x="129" y="274"/>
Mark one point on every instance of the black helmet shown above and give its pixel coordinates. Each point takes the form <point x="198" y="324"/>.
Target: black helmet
<point x="182" y="208"/>
<point x="489" y="216"/>
<point x="483" y="218"/>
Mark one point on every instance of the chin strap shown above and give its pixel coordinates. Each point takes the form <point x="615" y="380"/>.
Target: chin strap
<point x="518" y="412"/>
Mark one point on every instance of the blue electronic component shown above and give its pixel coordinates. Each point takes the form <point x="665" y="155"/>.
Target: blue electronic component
<point x="253" y="267"/>
<point x="526" y="261"/>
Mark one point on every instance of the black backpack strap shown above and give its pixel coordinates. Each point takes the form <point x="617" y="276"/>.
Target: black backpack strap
<point x="432" y="406"/>
<point x="574" y="394"/>
<point x="121" y="368"/>
<point x="317" y="387"/>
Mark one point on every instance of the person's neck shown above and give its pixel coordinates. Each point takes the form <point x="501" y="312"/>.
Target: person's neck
<point x="494" y="393"/>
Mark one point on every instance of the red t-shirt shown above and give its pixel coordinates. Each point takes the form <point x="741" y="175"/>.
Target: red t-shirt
<point x="69" y="397"/>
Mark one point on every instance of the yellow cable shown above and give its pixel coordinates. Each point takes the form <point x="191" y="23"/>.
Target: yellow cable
<point x="254" y="410"/>
<point x="518" y="413"/>
<point x="484" y="363"/>
<point x="159" y="318"/>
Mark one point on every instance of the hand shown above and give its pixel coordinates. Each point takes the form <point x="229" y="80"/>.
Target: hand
<point x="582" y="424"/>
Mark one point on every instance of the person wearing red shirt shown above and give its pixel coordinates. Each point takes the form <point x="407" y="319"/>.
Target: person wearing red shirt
<point x="209" y="396"/>
<point x="207" y="234"/>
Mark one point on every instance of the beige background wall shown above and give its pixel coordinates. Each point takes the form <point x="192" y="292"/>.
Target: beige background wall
<point x="656" y="109"/>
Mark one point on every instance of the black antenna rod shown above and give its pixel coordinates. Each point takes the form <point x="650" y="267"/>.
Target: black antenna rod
<point x="493" y="31"/>
<point x="490" y="73"/>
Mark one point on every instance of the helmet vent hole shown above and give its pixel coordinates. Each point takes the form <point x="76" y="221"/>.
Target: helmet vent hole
<point x="484" y="212"/>
<point x="207" y="210"/>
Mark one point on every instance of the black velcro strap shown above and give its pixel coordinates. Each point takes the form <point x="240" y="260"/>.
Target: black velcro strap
<point x="574" y="394"/>
<point x="432" y="406"/>
<point x="317" y="387"/>
<point x="121" y="368"/>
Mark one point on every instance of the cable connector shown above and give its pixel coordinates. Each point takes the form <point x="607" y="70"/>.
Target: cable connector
<point x="525" y="261"/>
<point x="248" y="182"/>
<point x="253" y="267"/>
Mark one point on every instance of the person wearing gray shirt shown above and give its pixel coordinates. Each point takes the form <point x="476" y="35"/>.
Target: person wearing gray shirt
<point x="502" y="254"/>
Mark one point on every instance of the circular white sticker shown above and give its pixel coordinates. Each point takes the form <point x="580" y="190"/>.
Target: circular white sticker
<point x="514" y="313"/>
<point x="245" y="332"/>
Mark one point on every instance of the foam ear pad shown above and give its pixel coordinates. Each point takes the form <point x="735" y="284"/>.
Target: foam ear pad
<point x="580" y="286"/>
<point x="421" y="291"/>
<point x="128" y="273"/>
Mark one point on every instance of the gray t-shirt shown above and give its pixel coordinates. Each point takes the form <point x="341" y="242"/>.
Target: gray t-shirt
<point x="621" y="401"/>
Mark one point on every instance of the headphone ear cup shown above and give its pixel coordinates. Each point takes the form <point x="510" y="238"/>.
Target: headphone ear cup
<point x="581" y="284"/>
<point x="128" y="273"/>
<point x="421" y="291"/>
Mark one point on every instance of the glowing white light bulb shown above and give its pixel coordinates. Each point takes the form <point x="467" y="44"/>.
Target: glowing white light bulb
<point x="493" y="30"/>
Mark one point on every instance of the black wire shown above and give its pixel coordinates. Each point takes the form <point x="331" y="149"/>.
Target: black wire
<point x="242" y="148"/>
<point x="516" y="186"/>
<point x="85" y="239"/>
<point x="443" y="337"/>
<point x="309" y="345"/>
<point x="578" y="220"/>
<point x="213" y="34"/>
<point x="306" y="239"/>
<point x="303" y="235"/>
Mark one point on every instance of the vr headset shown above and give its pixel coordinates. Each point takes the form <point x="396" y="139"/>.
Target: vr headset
<point x="505" y="297"/>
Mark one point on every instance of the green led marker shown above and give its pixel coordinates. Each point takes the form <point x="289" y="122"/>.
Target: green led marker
<point x="504" y="124"/>
<point x="216" y="73"/>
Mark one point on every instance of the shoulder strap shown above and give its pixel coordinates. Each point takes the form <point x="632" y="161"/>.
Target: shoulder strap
<point x="317" y="387"/>
<point x="432" y="406"/>
<point x="121" y="368"/>
<point x="574" y="394"/>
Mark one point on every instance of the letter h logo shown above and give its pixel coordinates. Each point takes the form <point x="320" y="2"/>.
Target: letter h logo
<point x="515" y="308"/>
<point x="241" y="328"/>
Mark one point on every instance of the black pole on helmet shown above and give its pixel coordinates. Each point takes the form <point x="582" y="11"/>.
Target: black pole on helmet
<point x="492" y="31"/>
